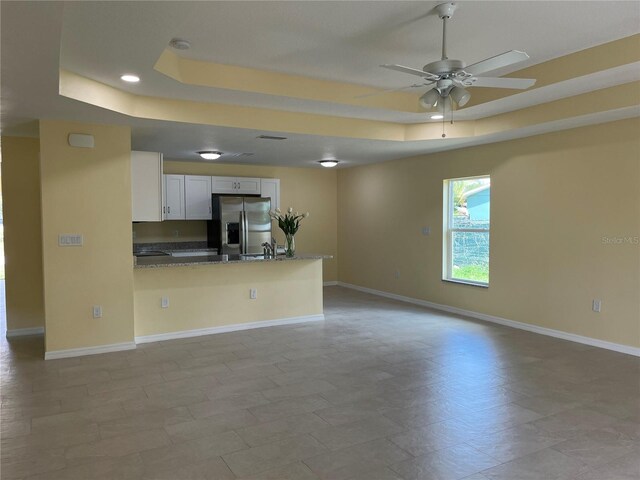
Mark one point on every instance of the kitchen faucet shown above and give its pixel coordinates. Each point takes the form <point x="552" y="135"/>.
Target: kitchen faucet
<point x="267" y="250"/>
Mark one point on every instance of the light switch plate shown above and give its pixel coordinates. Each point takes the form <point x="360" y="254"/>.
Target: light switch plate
<point x="70" y="240"/>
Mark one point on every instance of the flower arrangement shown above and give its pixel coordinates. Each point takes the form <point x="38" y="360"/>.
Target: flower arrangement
<point x="289" y="223"/>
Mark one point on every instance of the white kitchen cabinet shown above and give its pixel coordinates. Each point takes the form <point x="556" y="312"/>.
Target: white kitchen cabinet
<point x="248" y="185"/>
<point x="197" y="193"/>
<point x="174" y="208"/>
<point x="236" y="185"/>
<point x="146" y="186"/>
<point x="270" y="188"/>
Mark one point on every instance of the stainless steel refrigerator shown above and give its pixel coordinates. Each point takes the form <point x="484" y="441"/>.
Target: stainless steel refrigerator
<point x="239" y="224"/>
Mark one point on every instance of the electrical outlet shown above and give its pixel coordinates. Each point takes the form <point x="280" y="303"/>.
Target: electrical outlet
<point x="164" y="302"/>
<point x="176" y="233"/>
<point x="253" y="293"/>
<point x="596" y="305"/>
<point x="426" y="230"/>
<point x="397" y="273"/>
<point x="97" y="311"/>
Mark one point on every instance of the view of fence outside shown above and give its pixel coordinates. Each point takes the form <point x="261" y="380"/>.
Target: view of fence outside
<point x="471" y="210"/>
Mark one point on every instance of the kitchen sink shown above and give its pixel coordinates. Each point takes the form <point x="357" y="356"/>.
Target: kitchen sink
<point x="197" y="253"/>
<point x="252" y="256"/>
<point x="150" y="253"/>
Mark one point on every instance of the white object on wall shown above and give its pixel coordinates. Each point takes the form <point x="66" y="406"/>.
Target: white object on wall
<point x="81" y="140"/>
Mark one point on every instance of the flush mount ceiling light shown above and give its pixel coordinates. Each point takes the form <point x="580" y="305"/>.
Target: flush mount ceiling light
<point x="328" y="163"/>
<point x="180" y="44"/>
<point x="437" y="116"/>
<point x="210" y="155"/>
<point x="129" y="77"/>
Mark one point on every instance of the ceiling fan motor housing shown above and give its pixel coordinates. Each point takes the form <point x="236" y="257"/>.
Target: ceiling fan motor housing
<point x="444" y="67"/>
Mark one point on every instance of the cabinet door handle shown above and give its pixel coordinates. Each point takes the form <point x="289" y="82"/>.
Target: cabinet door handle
<point x="168" y="209"/>
<point x="164" y="209"/>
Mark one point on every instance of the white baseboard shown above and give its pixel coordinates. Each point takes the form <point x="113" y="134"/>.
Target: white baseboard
<point x="330" y="284"/>
<point x="21" y="332"/>
<point x="572" y="337"/>
<point x="228" y="328"/>
<point x="79" y="352"/>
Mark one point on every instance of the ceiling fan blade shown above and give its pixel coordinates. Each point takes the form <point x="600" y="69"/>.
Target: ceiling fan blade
<point x="503" y="60"/>
<point x="389" y="90"/>
<point x="496" y="82"/>
<point x="412" y="71"/>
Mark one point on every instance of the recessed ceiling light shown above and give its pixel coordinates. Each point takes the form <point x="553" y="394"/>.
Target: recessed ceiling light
<point x="130" y="78"/>
<point x="210" y="155"/>
<point x="328" y="163"/>
<point x="437" y="116"/>
<point x="180" y="44"/>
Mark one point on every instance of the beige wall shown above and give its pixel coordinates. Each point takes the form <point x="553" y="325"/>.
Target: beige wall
<point x="86" y="191"/>
<point x="554" y="198"/>
<point x="23" y="237"/>
<point x="216" y="295"/>
<point x="305" y="189"/>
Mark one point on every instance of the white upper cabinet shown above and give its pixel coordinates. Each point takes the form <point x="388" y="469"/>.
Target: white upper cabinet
<point x="270" y="188"/>
<point x="197" y="190"/>
<point x="248" y="185"/>
<point x="146" y="186"/>
<point x="174" y="197"/>
<point x="235" y="185"/>
<point x="223" y="185"/>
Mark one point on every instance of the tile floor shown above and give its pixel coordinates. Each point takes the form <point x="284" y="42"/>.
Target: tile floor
<point x="380" y="391"/>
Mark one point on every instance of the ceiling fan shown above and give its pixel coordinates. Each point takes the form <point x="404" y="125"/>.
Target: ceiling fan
<point x="450" y="77"/>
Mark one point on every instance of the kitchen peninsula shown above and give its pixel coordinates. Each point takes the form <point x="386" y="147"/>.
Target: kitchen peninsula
<point x="177" y="297"/>
<point x="190" y="291"/>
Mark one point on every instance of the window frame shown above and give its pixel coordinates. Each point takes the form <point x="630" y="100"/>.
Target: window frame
<point x="448" y="231"/>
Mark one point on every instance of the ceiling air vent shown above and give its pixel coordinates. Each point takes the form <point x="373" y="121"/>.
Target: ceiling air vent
<point x="271" y="137"/>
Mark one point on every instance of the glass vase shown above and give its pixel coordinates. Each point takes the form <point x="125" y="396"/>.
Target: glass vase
<point x="290" y="247"/>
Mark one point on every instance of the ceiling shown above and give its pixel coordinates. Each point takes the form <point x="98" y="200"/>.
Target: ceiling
<point x="303" y="65"/>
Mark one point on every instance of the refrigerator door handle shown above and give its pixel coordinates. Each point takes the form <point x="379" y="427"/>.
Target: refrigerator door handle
<point x="246" y="232"/>
<point x="241" y="233"/>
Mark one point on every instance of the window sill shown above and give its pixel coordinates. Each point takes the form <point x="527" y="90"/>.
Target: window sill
<point x="466" y="282"/>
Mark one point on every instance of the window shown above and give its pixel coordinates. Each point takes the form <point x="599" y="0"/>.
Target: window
<point x="467" y="209"/>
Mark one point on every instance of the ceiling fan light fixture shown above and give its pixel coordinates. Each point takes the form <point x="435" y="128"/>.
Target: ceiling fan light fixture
<point x="460" y="95"/>
<point x="210" y="155"/>
<point x="430" y="99"/>
<point x="437" y="116"/>
<point x="328" y="163"/>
